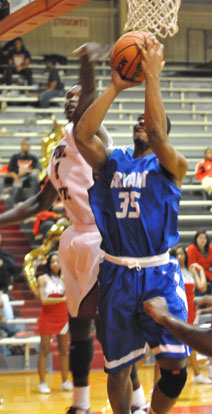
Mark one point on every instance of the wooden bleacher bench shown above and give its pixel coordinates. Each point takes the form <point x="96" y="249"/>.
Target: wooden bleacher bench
<point x="22" y="341"/>
<point x="114" y="111"/>
<point x="108" y="122"/>
<point x="195" y="217"/>
<point x="192" y="187"/>
<point x="24" y="321"/>
<point x="196" y="203"/>
<point x="191" y="233"/>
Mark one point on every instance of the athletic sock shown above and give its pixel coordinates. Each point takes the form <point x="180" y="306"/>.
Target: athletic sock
<point x="81" y="397"/>
<point x="138" y="397"/>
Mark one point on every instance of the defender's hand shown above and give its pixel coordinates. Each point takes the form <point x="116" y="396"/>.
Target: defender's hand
<point x="93" y="50"/>
<point x="157" y="308"/>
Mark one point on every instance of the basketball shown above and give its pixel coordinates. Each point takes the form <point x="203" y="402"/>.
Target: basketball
<point x="126" y="57"/>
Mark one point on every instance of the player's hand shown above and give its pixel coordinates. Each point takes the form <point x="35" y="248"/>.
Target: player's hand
<point x="152" y="56"/>
<point x="120" y="83"/>
<point x="203" y="305"/>
<point x="157" y="308"/>
<point x="93" y="50"/>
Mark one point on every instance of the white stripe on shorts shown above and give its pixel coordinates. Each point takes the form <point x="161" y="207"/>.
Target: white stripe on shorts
<point x="132" y="355"/>
<point x="171" y="348"/>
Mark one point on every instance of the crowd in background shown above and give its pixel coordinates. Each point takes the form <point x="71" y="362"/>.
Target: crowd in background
<point x="15" y="59"/>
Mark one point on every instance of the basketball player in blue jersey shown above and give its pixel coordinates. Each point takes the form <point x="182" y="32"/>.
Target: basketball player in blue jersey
<point x="135" y="204"/>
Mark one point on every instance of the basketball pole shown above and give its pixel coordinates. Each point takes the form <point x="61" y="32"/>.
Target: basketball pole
<point x="122" y="15"/>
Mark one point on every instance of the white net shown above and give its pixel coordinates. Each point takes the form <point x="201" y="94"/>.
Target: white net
<point x="155" y="16"/>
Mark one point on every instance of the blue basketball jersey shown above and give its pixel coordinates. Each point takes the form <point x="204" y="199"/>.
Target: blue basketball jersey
<point x="135" y="206"/>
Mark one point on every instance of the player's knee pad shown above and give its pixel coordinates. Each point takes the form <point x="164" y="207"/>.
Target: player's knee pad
<point x="80" y="357"/>
<point x="172" y="381"/>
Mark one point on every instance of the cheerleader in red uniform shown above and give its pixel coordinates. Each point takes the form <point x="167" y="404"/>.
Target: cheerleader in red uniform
<point x="194" y="276"/>
<point x="53" y="320"/>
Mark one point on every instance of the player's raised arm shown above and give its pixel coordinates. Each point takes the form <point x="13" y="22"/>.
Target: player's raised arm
<point x="195" y="337"/>
<point x="90" y="146"/>
<point x="87" y="53"/>
<point x="155" y="117"/>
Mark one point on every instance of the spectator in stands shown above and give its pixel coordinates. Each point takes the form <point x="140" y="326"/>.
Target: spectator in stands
<point x="54" y="87"/>
<point x="6" y="329"/>
<point x="18" y="62"/>
<point x="4" y="9"/>
<point x="200" y="251"/>
<point x="204" y="171"/>
<point x="53" y="320"/>
<point x="44" y="221"/>
<point x="10" y="271"/>
<point x="24" y="168"/>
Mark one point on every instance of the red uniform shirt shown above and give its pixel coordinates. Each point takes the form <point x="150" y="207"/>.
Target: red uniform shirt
<point x="203" y="169"/>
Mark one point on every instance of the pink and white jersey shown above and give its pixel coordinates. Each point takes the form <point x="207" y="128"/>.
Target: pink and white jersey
<point x="72" y="176"/>
<point x="79" y="247"/>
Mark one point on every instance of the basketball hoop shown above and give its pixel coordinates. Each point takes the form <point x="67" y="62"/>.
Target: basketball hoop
<point x="158" y="17"/>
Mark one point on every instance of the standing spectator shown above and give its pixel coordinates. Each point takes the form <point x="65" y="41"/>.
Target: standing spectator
<point x="18" y="62"/>
<point x="200" y="251"/>
<point x="24" y="168"/>
<point x="53" y="320"/>
<point x="204" y="171"/>
<point x="54" y="87"/>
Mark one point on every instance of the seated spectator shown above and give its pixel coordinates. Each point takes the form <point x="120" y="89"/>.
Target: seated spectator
<point x="24" y="168"/>
<point x="10" y="271"/>
<point x="4" y="9"/>
<point x="18" y="62"/>
<point x="200" y="251"/>
<point x="44" y="221"/>
<point x="204" y="171"/>
<point x="54" y="87"/>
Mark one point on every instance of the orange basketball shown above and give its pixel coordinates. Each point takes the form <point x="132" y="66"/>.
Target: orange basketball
<point x="126" y="58"/>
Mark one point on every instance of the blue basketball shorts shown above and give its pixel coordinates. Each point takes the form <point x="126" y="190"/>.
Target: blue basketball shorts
<point x="125" y="327"/>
